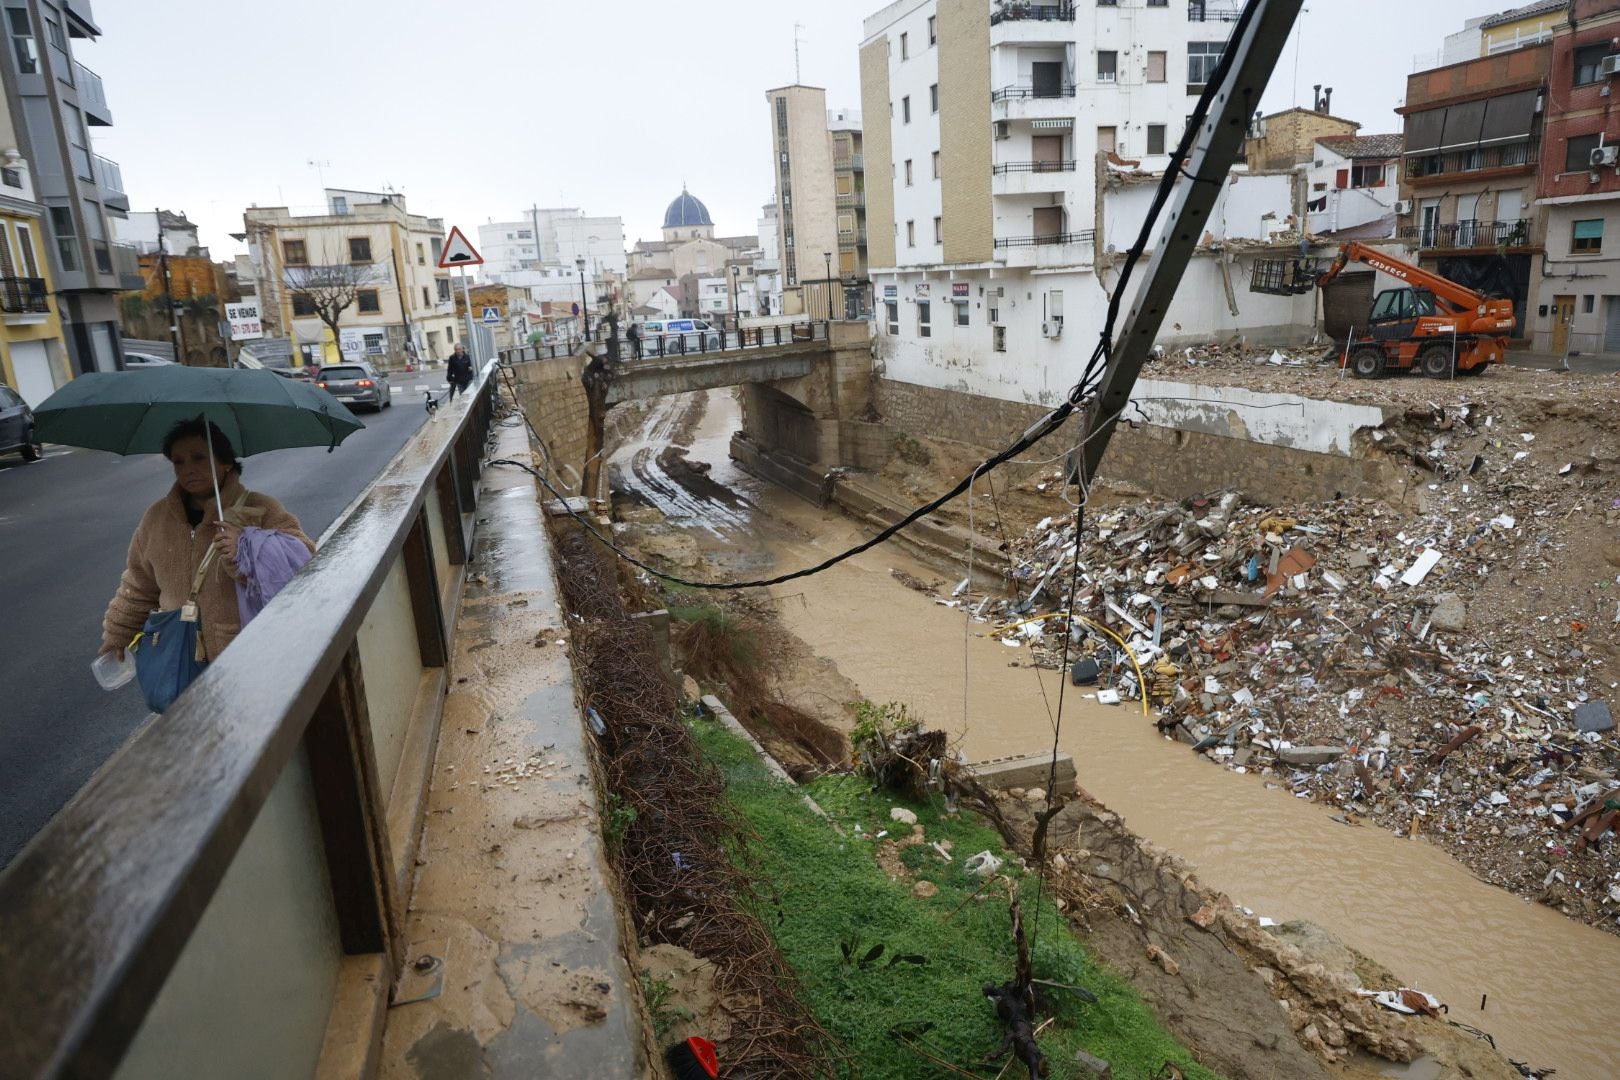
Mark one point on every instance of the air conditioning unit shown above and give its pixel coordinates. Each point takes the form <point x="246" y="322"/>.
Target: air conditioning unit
<point x="1605" y="155"/>
<point x="1403" y="206"/>
<point x="1003" y="129"/>
<point x="1609" y="65"/>
<point x="1052" y="328"/>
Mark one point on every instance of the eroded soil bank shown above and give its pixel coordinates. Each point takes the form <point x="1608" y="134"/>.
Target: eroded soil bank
<point x="1406" y="904"/>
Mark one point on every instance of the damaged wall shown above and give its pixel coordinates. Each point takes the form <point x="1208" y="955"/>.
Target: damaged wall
<point x="555" y="400"/>
<point x="1273" y="454"/>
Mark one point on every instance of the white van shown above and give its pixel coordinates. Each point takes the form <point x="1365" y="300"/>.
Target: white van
<point x="678" y="336"/>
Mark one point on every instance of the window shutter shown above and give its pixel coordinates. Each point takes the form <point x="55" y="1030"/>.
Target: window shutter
<point x="1344" y="178"/>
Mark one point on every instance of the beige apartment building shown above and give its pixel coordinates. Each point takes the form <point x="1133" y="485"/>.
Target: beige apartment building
<point x="849" y="187"/>
<point x="806" y="204"/>
<point x="404" y="305"/>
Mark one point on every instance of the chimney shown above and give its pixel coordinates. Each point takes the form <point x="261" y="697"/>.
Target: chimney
<point x="1316" y="98"/>
<point x="1327" y="99"/>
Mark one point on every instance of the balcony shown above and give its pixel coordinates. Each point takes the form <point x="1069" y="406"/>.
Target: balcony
<point x="126" y="265"/>
<point x="1046" y="249"/>
<point x="81" y="21"/>
<point x="1030" y="11"/>
<point x="110" y="180"/>
<point x="856" y="238"/>
<point x="855" y="199"/>
<point x="1031" y="177"/>
<point x="1424" y="169"/>
<point x="1028" y="103"/>
<point x="92" y="96"/>
<point x="24" y="300"/>
<point x="1020" y="93"/>
<point x="1206" y="11"/>
<point x="1469" y="234"/>
<point x="850" y="163"/>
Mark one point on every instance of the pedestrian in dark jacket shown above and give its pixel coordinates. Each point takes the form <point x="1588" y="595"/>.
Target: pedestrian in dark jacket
<point x="634" y="333"/>
<point x="460" y="373"/>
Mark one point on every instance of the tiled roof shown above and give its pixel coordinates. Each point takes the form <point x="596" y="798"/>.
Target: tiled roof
<point x="1365" y="146"/>
<point x="1543" y="7"/>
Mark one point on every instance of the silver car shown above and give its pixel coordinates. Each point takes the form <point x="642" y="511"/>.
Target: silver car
<point x="356" y="384"/>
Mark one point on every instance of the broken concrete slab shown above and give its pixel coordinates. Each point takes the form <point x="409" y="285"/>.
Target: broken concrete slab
<point x="1310" y="755"/>
<point x="1450" y="613"/>
<point x="1594" y="716"/>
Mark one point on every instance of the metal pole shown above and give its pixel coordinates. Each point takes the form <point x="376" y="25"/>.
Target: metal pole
<point x="1214" y="148"/>
<point x="584" y="305"/>
<point x="177" y="340"/>
<point x="472" y="338"/>
<point x="827" y="255"/>
<point x="404" y="309"/>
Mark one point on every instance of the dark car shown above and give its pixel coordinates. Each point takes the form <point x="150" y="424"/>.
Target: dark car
<point x="356" y="384"/>
<point x="17" y="426"/>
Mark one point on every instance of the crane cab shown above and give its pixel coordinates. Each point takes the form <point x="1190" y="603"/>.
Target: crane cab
<point x="1395" y="313"/>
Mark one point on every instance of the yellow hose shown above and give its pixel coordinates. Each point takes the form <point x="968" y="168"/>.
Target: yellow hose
<point x="1126" y="649"/>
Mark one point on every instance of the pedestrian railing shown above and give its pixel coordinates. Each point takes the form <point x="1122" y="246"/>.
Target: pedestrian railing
<point x="1020" y="93"/>
<point x="24" y="296"/>
<point x="1469" y="234"/>
<point x="1032" y="167"/>
<point x="227" y="895"/>
<point x="1081" y="237"/>
<point x="689" y="343"/>
<point x="1020" y="10"/>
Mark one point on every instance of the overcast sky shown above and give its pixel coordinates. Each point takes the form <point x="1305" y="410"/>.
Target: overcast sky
<point x="476" y="111"/>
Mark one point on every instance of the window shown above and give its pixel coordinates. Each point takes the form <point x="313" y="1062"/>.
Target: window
<point x="908" y="172"/>
<point x="998" y="338"/>
<point x="1367" y="174"/>
<point x="1107" y="65"/>
<point x="845" y="184"/>
<point x="359" y="249"/>
<point x="939" y="230"/>
<point x="911" y="234"/>
<point x="1589" y="63"/>
<point x="293" y="253"/>
<point x="374" y="344"/>
<point x="426" y="302"/>
<point x="1588" y="303"/>
<point x="11" y="177"/>
<point x="1157" y="64"/>
<point x="1587" y="237"/>
<point x="421" y="256"/>
<point x="905" y="109"/>
<point x="340" y="204"/>
<point x="846" y="224"/>
<point x="438" y="249"/>
<point x="933" y="29"/>
<point x="25" y="244"/>
<point x="925" y="319"/>
<point x="1202" y="56"/>
<point x="1155" y="138"/>
<point x="302" y="305"/>
<point x="53" y="33"/>
<point x="1578" y="152"/>
<point x="1158" y="3"/>
<point x="22" y="40"/>
<point x="444" y="289"/>
<point x="1107" y="139"/>
<point x="1108" y="3"/>
<point x="891" y="311"/>
<point x="525" y="234"/>
<point x="367" y="300"/>
<point x="963" y="312"/>
<point x="933" y="98"/>
<point x="905" y="46"/>
<point x="936" y="164"/>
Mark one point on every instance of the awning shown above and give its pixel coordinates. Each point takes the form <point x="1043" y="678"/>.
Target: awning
<point x="1463" y="124"/>
<point x="1509" y="118"/>
<point x="1423" y="131"/>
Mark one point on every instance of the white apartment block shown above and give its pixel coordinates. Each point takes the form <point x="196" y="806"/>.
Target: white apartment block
<point x="555" y="237"/>
<point x="991" y="248"/>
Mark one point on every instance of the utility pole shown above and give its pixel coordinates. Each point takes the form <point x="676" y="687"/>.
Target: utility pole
<point x="404" y="308"/>
<point x="177" y="338"/>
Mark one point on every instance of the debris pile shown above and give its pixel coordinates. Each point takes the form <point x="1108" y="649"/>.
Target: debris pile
<point x="1364" y="657"/>
<point x="1237" y="354"/>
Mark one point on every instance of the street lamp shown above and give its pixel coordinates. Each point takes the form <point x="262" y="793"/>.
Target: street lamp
<point x="736" y="300"/>
<point x="584" y="305"/>
<point x="828" y="256"/>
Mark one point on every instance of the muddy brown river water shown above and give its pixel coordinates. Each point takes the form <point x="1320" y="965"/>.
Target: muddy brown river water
<point x="1547" y="980"/>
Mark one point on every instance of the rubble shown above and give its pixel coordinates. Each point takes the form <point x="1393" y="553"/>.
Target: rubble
<point x="1381" y="661"/>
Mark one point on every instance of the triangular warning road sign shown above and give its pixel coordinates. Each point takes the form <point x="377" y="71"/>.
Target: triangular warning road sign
<point x="458" y="252"/>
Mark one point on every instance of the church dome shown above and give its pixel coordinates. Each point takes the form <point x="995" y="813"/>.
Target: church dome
<point x="686" y="211"/>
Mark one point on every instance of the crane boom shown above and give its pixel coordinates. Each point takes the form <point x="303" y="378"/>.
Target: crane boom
<point x="1456" y="296"/>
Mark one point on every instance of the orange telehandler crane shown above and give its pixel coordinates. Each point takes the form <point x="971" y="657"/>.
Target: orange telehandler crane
<point x="1424" y="324"/>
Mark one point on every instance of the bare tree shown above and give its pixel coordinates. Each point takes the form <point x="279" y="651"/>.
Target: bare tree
<point x="331" y="289"/>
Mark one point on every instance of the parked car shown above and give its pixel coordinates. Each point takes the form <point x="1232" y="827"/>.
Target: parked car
<point x="307" y="373"/>
<point x="139" y="361"/>
<point x="356" y="384"/>
<point x="17" y="425"/>
<point x="678" y="335"/>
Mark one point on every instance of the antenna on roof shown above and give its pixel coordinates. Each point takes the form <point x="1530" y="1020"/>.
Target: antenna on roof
<point x="798" y="79"/>
<point x="320" y="168"/>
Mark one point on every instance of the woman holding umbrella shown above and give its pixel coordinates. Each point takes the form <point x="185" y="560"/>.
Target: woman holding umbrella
<point x="183" y="553"/>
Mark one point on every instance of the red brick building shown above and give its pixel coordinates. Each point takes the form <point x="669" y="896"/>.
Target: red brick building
<point x="1578" y="305"/>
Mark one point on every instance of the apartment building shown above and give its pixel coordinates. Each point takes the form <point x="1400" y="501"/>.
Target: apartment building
<point x="404" y="306"/>
<point x="849" y="189"/>
<point x="54" y="102"/>
<point x="807" y="206"/>
<point x="1577" y="305"/>
<point x="1352" y="186"/>
<point x="1473" y="143"/>
<point x="552" y="237"/>
<point x="1503" y="31"/>
<point x="33" y="355"/>
<point x="1021" y="142"/>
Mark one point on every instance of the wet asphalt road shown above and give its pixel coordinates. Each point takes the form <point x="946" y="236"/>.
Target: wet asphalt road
<point x="65" y="524"/>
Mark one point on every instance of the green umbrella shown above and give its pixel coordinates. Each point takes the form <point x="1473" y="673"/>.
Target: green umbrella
<point x="129" y="412"/>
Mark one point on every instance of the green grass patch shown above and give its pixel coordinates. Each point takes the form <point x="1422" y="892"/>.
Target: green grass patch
<point x="831" y="906"/>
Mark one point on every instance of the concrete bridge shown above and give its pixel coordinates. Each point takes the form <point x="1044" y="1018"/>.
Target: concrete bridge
<point x="802" y="396"/>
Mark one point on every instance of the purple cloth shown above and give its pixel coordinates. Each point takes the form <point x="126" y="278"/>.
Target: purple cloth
<point x="267" y="561"/>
